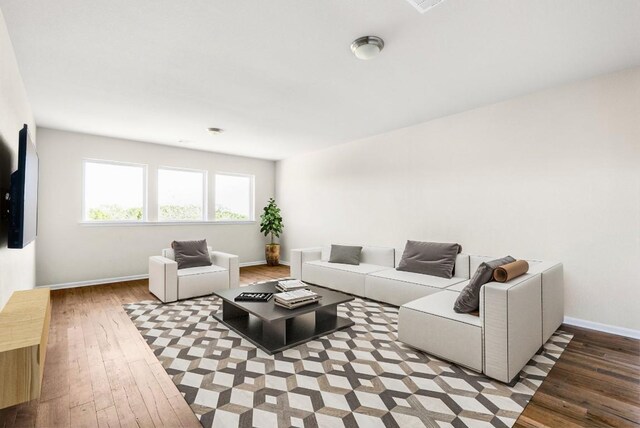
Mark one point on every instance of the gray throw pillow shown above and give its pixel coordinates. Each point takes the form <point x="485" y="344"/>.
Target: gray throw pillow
<point x="469" y="298"/>
<point x="429" y="258"/>
<point x="346" y="254"/>
<point x="191" y="253"/>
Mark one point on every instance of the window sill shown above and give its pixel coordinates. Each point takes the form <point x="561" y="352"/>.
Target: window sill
<point x="161" y="223"/>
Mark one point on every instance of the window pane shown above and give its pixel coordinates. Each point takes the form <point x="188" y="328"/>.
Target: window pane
<point x="233" y="197"/>
<point x="180" y="195"/>
<point x="113" y="192"/>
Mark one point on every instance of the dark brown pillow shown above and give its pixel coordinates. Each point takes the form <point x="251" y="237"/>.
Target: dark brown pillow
<point x="191" y="253"/>
<point x="429" y="258"/>
<point x="469" y="298"/>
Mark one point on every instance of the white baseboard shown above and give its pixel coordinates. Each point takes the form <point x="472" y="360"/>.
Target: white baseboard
<point x="95" y="282"/>
<point x="258" y="263"/>
<point x="123" y="278"/>
<point x="261" y="262"/>
<point x="605" y="328"/>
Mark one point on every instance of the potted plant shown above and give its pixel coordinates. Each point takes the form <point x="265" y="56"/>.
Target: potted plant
<point x="271" y="224"/>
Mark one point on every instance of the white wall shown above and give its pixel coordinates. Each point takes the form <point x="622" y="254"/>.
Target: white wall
<point x="69" y="251"/>
<point x="554" y="175"/>
<point x="17" y="267"/>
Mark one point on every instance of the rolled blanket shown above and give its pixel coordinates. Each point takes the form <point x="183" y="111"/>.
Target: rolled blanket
<point x="511" y="270"/>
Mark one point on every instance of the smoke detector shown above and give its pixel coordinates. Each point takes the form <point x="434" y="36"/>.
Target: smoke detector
<point x="424" y="5"/>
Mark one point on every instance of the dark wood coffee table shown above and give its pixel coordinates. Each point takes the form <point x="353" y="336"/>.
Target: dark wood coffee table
<point x="273" y="328"/>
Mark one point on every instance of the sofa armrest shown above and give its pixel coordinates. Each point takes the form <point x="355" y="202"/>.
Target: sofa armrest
<point x="552" y="298"/>
<point x="512" y="325"/>
<point x="301" y="255"/>
<point x="231" y="263"/>
<point x="163" y="278"/>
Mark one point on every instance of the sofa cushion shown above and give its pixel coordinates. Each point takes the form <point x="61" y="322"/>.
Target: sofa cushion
<point x="429" y="258"/>
<point x="431" y="325"/>
<point x="397" y="287"/>
<point x="171" y="255"/>
<point x="345" y="254"/>
<point x="381" y="256"/>
<point x="441" y="305"/>
<point x="201" y="281"/>
<point x="459" y="286"/>
<point x="534" y="265"/>
<point x="191" y="253"/>
<point x="461" y="269"/>
<point x="345" y="278"/>
<point x="362" y="268"/>
<point x="199" y="270"/>
<point x="476" y="261"/>
<point x="417" y="278"/>
<point x="469" y="298"/>
<point x="510" y="271"/>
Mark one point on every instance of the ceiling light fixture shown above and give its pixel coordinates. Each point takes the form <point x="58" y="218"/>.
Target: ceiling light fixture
<point x="215" y="131"/>
<point x="367" y="47"/>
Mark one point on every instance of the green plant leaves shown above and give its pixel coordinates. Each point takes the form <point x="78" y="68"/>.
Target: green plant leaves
<point x="271" y="220"/>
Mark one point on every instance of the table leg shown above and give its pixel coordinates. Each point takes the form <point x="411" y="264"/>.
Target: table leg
<point x="231" y="311"/>
<point x="326" y="313"/>
<point x="275" y="331"/>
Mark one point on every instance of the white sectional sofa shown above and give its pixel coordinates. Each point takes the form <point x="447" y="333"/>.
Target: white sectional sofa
<point x="399" y="287"/>
<point x="515" y="318"/>
<point x="312" y="265"/>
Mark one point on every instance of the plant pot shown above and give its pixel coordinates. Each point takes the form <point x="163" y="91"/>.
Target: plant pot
<point x="272" y="254"/>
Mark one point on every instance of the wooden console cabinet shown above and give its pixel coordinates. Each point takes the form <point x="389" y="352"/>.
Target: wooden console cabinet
<point x="24" y="330"/>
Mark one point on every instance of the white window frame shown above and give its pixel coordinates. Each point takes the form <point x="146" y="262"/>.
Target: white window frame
<point x="205" y="193"/>
<point x="252" y="197"/>
<point x="145" y="180"/>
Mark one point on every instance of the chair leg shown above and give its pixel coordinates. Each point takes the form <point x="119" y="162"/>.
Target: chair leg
<point x="514" y="381"/>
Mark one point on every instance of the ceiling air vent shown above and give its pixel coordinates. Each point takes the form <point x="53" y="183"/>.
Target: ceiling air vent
<point x="424" y="5"/>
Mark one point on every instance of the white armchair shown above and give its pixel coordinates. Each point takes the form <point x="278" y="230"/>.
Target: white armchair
<point x="168" y="283"/>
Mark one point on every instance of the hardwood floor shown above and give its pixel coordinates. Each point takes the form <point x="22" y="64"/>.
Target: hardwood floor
<point x="595" y="383"/>
<point x="99" y="371"/>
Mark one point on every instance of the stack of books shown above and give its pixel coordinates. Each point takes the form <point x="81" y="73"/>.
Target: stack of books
<point x="296" y="298"/>
<point x="290" y="285"/>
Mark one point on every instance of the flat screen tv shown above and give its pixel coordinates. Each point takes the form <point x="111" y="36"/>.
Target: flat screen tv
<point x="23" y="195"/>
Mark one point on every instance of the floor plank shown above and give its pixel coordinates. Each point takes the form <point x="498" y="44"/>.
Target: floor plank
<point x="84" y="415"/>
<point x="100" y="372"/>
<point x="55" y="412"/>
<point x="156" y="401"/>
<point x="596" y="382"/>
<point x="108" y="418"/>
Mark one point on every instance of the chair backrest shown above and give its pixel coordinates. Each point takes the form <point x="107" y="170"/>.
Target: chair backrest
<point x="169" y="253"/>
<point x="380" y="256"/>
<point x="461" y="269"/>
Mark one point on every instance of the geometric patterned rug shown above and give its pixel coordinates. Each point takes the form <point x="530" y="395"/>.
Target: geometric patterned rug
<point x="357" y="377"/>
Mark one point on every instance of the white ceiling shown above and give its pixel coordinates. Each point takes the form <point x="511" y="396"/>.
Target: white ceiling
<point x="278" y="75"/>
